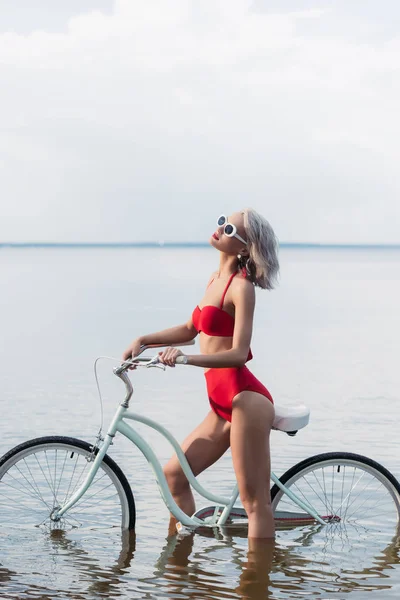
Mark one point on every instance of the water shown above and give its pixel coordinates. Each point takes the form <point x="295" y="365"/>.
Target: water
<point x="328" y="336"/>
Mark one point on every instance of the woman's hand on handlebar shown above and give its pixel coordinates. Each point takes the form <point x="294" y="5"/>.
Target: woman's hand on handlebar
<point x="169" y="356"/>
<point x="132" y="351"/>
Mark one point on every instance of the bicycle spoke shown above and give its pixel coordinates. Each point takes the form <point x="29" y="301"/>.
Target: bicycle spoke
<point x="57" y="524"/>
<point x="61" y="474"/>
<point x="328" y="502"/>
<point x="356" y="492"/>
<point x="52" y="485"/>
<point x="23" y="490"/>
<point x="55" y="474"/>
<point x="365" y="499"/>
<point x="359" y="494"/>
<point x="101" y="501"/>
<point x="32" y="477"/>
<point x="12" y="502"/>
<point x="46" y="473"/>
<point x="71" y="478"/>
<point x="80" y="477"/>
<point x="85" y="498"/>
<point x="26" y="493"/>
<point x="324" y="501"/>
<point x="348" y="495"/>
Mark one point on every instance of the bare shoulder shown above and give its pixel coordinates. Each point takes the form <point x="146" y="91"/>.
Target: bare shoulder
<point x="243" y="289"/>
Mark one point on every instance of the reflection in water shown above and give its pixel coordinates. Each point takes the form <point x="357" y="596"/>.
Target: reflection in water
<point x="5" y="575"/>
<point x="266" y="570"/>
<point x="255" y="579"/>
<point x="102" y="581"/>
<point x="211" y="564"/>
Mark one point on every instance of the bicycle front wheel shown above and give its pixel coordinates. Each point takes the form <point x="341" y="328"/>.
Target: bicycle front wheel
<point x="354" y="495"/>
<point x="42" y="474"/>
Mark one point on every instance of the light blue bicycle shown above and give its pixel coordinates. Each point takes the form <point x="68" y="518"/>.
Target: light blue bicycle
<point x="65" y="482"/>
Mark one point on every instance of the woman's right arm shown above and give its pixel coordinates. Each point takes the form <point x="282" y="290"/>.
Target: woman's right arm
<point x="166" y="337"/>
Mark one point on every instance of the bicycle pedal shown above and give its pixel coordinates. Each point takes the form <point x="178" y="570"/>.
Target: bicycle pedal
<point x="182" y="529"/>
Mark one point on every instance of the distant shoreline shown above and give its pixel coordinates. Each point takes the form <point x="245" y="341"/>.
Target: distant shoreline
<point x="90" y="245"/>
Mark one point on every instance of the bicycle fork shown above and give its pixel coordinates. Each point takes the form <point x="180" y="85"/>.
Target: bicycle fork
<point x="59" y="511"/>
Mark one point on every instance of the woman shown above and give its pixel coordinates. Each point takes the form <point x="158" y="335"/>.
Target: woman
<point x="242" y="411"/>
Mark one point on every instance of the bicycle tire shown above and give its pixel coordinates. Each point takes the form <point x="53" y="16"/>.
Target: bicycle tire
<point x="323" y="482"/>
<point x="30" y="488"/>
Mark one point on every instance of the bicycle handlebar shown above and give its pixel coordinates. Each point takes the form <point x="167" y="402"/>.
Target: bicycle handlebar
<point x="150" y="359"/>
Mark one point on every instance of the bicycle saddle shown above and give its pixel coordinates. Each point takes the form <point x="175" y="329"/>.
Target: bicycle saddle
<point x="291" y="418"/>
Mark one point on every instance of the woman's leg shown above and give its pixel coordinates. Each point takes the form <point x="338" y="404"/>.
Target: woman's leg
<point x="202" y="448"/>
<point x="252" y="418"/>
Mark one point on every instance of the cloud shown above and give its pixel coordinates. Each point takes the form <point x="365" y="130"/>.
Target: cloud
<point x="123" y="123"/>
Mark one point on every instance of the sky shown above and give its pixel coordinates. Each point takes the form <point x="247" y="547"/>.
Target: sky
<point x="129" y="121"/>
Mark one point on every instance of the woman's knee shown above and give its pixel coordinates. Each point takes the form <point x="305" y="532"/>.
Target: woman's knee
<point x="176" y="478"/>
<point x="255" y="502"/>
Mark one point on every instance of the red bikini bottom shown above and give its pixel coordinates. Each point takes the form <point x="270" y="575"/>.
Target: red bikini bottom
<point x="224" y="384"/>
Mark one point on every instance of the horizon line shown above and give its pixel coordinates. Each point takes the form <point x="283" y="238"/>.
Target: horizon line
<point x="162" y="244"/>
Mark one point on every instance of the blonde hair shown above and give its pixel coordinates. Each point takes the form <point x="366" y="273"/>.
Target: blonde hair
<point x="262" y="265"/>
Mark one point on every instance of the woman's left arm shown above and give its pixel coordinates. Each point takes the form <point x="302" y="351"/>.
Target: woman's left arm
<point x="243" y="296"/>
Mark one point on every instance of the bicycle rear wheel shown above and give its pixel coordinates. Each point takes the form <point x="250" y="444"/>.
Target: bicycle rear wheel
<point x="41" y="474"/>
<point x="354" y="495"/>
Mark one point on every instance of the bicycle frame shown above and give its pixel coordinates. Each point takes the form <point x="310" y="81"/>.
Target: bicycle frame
<point x="118" y="425"/>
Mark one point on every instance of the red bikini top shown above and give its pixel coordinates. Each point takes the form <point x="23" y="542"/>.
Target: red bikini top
<point x="214" y="321"/>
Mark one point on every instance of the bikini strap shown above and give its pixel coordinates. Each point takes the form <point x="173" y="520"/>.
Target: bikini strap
<point x="226" y="289"/>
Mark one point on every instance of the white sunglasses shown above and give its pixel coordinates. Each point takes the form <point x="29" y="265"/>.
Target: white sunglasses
<point x="229" y="229"/>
